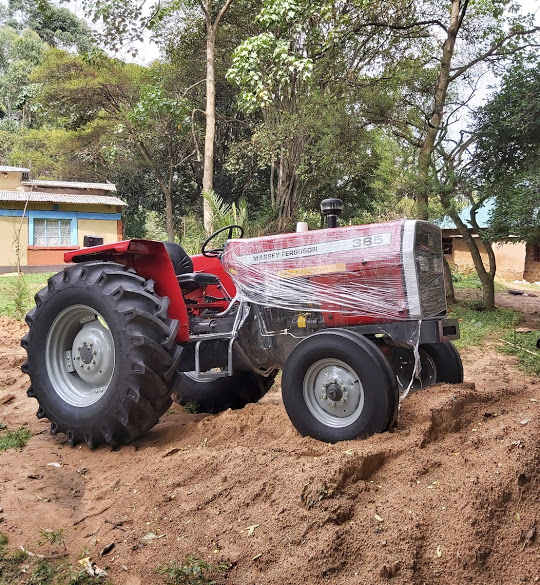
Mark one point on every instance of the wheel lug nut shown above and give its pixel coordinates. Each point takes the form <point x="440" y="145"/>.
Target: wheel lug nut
<point x="95" y="352"/>
<point x="332" y="403"/>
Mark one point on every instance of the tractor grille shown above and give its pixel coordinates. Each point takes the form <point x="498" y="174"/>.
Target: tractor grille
<point x="429" y="266"/>
<point x="423" y="269"/>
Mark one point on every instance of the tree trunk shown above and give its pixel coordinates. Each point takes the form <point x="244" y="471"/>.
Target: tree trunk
<point x="208" y="173"/>
<point x="439" y="99"/>
<point x="488" y="291"/>
<point x="289" y="185"/>
<point x="487" y="277"/>
<point x="448" y="283"/>
<point x="169" y="208"/>
<point x="166" y="187"/>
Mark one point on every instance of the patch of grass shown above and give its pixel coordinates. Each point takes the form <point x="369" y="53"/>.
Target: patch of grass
<point x="471" y="280"/>
<point x="14" y="439"/>
<point x="17" y="293"/>
<point x="44" y="573"/>
<point x="192" y="407"/>
<point x="17" y="567"/>
<point x="476" y="325"/>
<point x="10" y="562"/>
<point x="524" y="347"/>
<point x="191" y="571"/>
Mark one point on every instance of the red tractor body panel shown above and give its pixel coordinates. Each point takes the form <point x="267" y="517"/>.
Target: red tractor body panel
<point x="150" y="260"/>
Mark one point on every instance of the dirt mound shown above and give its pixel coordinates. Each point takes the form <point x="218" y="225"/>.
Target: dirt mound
<point x="451" y="496"/>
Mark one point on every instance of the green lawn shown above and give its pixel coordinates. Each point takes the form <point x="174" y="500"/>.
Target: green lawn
<point x="17" y="293"/>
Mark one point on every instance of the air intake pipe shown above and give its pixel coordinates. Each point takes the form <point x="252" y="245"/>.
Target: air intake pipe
<point x="331" y="208"/>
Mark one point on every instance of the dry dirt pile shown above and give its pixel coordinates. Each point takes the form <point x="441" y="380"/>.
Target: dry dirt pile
<point x="451" y="497"/>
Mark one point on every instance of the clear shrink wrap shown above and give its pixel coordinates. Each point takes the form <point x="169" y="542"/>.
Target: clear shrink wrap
<point x="355" y="275"/>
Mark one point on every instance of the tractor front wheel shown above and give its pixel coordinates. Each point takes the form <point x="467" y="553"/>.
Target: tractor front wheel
<point x="337" y="386"/>
<point x="447" y="362"/>
<point x="439" y="362"/>
<point x="100" y="349"/>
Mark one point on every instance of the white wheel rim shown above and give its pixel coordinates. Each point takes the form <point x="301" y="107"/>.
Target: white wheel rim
<point x="333" y="393"/>
<point x="79" y="355"/>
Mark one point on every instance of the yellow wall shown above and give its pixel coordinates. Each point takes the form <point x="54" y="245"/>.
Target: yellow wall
<point x="510" y="258"/>
<point x="91" y="227"/>
<point x="8" y="234"/>
<point x="11" y="181"/>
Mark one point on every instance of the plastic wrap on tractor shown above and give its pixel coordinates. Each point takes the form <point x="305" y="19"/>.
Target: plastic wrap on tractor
<point x="352" y="275"/>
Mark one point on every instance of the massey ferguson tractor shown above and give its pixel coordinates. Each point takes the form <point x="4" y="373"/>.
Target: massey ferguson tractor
<point x="352" y="315"/>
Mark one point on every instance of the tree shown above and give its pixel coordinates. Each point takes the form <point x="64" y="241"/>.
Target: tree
<point x="507" y="155"/>
<point x="124" y="21"/>
<point x="118" y="111"/>
<point x="56" y="26"/>
<point x="495" y="43"/>
<point x="314" y="62"/>
<point x="462" y="40"/>
<point x="19" y="55"/>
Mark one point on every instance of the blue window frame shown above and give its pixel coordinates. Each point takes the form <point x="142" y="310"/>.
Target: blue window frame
<point x="52" y="228"/>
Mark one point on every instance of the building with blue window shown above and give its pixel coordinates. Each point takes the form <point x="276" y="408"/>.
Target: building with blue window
<point x="41" y="219"/>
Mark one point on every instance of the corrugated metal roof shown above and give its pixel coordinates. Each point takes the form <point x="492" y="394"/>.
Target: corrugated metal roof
<point x="71" y="185"/>
<point x="4" y="169"/>
<point x="38" y="197"/>
<point x="483" y="216"/>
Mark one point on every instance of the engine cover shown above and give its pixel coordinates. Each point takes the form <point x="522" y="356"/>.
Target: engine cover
<point x="358" y="274"/>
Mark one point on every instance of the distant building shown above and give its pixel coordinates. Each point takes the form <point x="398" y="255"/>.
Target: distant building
<point x="53" y="217"/>
<point x="515" y="260"/>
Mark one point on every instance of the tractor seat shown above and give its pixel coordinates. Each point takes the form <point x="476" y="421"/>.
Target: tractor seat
<point x="192" y="280"/>
<point x="183" y="268"/>
<point x="180" y="259"/>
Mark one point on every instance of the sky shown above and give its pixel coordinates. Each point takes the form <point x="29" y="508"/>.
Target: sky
<point x="148" y="51"/>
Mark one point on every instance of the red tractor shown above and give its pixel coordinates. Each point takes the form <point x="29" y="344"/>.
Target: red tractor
<point x="351" y="314"/>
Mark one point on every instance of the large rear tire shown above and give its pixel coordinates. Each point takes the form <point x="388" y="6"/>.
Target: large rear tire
<point x="223" y="392"/>
<point x="100" y="351"/>
<point x="338" y="386"/>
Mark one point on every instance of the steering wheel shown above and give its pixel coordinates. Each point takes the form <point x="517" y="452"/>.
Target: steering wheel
<point x="216" y="252"/>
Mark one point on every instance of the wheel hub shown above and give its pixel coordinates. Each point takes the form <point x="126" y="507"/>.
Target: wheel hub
<point x="86" y="353"/>
<point x="93" y="354"/>
<point x="334" y="392"/>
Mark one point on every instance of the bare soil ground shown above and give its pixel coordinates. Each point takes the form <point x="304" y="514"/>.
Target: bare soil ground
<point x="451" y="497"/>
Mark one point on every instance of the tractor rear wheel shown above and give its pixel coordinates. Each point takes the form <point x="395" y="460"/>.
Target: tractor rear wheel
<point x="100" y="351"/>
<point x="214" y="393"/>
<point x="338" y="386"/>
